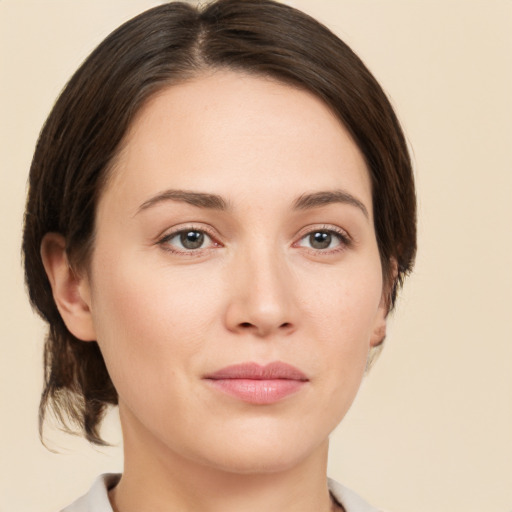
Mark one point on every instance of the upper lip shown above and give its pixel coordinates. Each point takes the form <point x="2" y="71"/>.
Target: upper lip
<point x="254" y="371"/>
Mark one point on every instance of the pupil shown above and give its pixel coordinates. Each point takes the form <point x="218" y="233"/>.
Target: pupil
<point x="192" y="239"/>
<point x="320" y="240"/>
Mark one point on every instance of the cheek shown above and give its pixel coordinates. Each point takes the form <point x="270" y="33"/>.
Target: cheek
<point x="149" y="320"/>
<point x="344" y="303"/>
<point x="341" y="317"/>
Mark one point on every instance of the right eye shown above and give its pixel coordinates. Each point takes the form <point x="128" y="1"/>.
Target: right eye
<point x="187" y="240"/>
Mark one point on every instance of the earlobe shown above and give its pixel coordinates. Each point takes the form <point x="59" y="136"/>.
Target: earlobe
<point x="380" y="327"/>
<point x="70" y="291"/>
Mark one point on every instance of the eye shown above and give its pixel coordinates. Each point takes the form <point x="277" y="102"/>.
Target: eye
<point x="187" y="240"/>
<point x="323" y="240"/>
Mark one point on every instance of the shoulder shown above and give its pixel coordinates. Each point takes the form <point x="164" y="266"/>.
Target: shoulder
<point x="349" y="499"/>
<point x="96" y="500"/>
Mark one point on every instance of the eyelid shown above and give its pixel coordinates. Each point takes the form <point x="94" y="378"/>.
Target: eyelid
<point x="162" y="239"/>
<point x="345" y="239"/>
<point x="167" y="235"/>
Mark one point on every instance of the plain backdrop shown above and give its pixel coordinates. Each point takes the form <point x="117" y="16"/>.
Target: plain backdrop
<point x="431" y="429"/>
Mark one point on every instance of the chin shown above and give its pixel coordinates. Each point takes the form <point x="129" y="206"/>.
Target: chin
<point x="272" y="452"/>
<point x="252" y="462"/>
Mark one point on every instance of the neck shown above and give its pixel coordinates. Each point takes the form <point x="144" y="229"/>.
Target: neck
<point x="159" y="480"/>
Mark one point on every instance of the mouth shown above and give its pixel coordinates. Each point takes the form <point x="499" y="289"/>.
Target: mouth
<point x="256" y="384"/>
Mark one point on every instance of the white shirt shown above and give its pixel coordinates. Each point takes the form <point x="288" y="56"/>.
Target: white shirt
<point x="96" y="500"/>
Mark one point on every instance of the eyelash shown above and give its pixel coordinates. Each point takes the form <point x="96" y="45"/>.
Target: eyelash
<point x="343" y="238"/>
<point x="164" y="241"/>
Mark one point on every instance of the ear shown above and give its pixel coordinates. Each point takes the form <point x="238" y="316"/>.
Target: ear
<point x="380" y="327"/>
<point x="70" y="291"/>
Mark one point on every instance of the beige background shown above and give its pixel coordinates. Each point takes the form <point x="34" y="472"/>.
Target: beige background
<point x="432" y="427"/>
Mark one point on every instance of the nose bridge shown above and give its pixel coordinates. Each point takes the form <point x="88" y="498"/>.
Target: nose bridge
<point x="262" y="298"/>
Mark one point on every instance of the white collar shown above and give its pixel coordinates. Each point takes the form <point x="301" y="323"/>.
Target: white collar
<point x="96" y="500"/>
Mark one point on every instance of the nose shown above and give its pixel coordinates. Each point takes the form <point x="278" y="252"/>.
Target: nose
<point x="261" y="297"/>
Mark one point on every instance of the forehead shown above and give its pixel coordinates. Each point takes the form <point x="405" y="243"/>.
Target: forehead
<point x="233" y="133"/>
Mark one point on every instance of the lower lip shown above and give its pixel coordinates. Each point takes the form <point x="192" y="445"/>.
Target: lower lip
<point x="258" y="391"/>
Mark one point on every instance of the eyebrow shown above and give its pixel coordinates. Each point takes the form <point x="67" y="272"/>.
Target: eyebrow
<point x="216" y="202"/>
<point x="319" y="199"/>
<point x="199" y="199"/>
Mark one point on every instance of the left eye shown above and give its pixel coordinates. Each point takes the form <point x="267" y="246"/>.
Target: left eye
<point x="189" y="240"/>
<point x="321" y="240"/>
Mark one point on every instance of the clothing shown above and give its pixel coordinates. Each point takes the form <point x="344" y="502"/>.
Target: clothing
<point x="96" y="500"/>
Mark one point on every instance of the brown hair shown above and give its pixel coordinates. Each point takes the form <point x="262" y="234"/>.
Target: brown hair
<point x="82" y="134"/>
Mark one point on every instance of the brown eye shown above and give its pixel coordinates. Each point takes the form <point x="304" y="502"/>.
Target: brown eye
<point x="192" y="239"/>
<point x="320" y="240"/>
<point x="323" y="240"/>
<point x="187" y="240"/>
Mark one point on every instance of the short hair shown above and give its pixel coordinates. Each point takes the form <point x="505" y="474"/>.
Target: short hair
<point x="167" y="45"/>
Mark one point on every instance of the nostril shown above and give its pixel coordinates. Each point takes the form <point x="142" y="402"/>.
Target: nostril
<point x="264" y="329"/>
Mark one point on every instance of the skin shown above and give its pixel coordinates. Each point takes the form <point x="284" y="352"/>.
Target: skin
<point x="258" y="290"/>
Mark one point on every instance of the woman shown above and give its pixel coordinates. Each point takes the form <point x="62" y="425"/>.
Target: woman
<point x="221" y="211"/>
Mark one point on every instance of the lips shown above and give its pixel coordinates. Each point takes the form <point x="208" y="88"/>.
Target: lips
<point x="256" y="384"/>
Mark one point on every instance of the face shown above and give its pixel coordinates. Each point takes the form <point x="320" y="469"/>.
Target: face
<point x="235" y="287"/>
